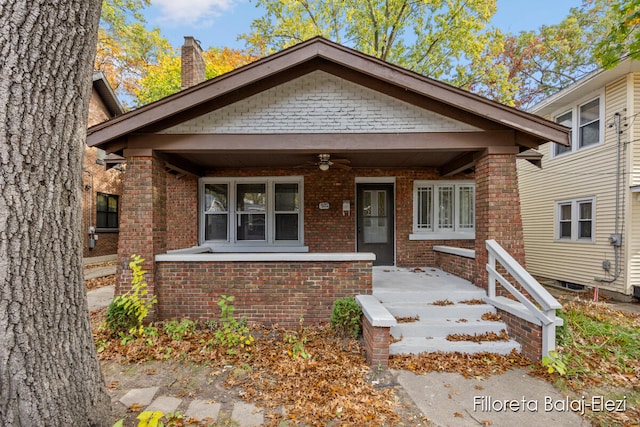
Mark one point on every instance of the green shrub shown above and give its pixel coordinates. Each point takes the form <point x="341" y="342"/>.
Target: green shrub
<point x="345" y="317"/>
<point x="178" y="330"/>
<point x="232" y="333"/>
<point x="126" y="312"/>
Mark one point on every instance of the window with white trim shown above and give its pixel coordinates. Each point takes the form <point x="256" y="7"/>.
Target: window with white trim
<point x="264" y="211"/>
<point x="585" y="123"/>
<point x="575" y="220"/>
<point x="443" y="210"/>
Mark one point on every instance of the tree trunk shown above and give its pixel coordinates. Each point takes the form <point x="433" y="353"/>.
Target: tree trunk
<point x="49" y="373"/>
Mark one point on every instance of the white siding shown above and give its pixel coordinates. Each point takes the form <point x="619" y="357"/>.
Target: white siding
<point x="320" y="103"/>
<point x="634" y="215"/>
<point x="590" y="172"/>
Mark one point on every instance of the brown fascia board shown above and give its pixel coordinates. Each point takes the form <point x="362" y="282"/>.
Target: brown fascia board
<point x="161" y="111"/>
<point x="109" y="98"/>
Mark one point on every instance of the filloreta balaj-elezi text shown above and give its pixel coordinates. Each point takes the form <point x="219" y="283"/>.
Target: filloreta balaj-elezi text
<point x="549" y="404"/>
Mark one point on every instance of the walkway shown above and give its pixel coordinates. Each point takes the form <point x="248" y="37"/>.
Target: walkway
<point x="243" y="414"/>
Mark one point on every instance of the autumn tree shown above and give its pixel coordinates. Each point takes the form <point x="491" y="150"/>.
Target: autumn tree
<point x="163" y="78"/>
<point x="49" y="373"/>
<point x="435" y="38"/>
<point x="541" y="62"/>
<point x="623" y="35"/>
<point x="126" y="48"/>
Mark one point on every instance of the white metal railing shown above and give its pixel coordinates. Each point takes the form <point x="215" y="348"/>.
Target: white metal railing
<point x="544" y="316"/>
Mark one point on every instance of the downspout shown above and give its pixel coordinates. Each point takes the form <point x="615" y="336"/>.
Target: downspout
<point x="615" y="239"/>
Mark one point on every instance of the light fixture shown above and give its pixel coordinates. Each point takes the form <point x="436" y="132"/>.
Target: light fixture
<point x="324" y="162"/>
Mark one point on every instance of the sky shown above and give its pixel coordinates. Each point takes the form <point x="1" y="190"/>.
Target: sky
<point x="219" y="22"/>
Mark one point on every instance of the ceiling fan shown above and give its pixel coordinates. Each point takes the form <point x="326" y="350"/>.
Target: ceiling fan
<point x="325" y="162"/>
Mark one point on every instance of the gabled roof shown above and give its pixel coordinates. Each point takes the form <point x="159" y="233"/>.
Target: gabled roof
<point x="321" y="54"/>
<point x="590" y="83"/>
<point x="101" y="85"/>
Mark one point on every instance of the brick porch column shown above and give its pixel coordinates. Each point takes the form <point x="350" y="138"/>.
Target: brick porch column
<point x="497" y="207"/>
<point x="143" y="225"/>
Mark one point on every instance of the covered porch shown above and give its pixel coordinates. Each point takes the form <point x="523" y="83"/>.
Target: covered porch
<point x="279" y="168"/>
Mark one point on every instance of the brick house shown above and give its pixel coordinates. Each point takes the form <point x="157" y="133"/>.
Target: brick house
<point x="101" y="187"/>
<point x="284" y="181"/>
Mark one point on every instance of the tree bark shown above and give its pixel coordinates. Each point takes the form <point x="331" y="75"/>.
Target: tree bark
<point x="49" y="372"/>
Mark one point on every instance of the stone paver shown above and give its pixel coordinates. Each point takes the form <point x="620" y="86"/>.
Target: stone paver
<point x="141" y="396"/>
<point x="247" y="415"/>
<point x="202" y="409"/>
<point x="165" y="404"/>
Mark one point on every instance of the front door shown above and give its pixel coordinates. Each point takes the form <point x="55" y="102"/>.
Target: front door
<point x="375" y="221"/>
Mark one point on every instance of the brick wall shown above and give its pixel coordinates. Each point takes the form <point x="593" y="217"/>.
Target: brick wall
<point x="528" y="334"/>
<point x="376" y="343"/>
<point x="142" y="219"/>
<point x="182" y="211"/>
<point x="497" y="210"/>
<point x="456" y="265"/>
<point x="320" y="102"/>
<point x="324" y="230"/>
<point x="265" y="292"/>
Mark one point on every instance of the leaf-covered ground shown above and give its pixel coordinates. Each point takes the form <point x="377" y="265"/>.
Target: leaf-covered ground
<point x="309" y="376"/>
<point x="312" y="377"/>
<point x="99" y="282"/>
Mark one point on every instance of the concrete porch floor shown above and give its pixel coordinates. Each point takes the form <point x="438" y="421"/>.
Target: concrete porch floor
<point x="398" y="279"/>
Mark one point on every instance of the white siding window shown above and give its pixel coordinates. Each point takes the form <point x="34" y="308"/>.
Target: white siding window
<point x="443" y="210"/>
<point x="585" y="121"/>
<point x="575" y="220"/>
<point x="251" y="212"/>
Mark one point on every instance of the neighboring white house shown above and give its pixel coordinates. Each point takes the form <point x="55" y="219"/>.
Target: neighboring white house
<point x="581" y="210"/>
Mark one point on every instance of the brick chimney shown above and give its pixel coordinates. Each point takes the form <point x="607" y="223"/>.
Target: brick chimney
<point x="193" y="69"/>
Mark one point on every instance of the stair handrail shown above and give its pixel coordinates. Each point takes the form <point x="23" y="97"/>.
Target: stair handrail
<point x="546" y="316"/>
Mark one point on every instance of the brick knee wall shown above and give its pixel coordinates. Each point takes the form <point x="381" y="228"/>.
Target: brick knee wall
<point x="528" y="334"/>
<point x="376" y="343"/>
<point x="265" y="292"/>
<point x="456" y="265"/>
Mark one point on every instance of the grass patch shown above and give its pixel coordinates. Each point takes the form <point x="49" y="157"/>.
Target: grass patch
<point x="600" y="347"/>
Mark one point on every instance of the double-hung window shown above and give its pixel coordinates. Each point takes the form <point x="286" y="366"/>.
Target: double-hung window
<point x="251" y="212"/>
<point x="443" y="210"/>
<point x="575" y="220"/>
<point x="107" y="212"/>
<point x="586" y="126"/>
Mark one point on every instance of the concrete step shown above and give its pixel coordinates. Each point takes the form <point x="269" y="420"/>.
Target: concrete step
<point x="430" y="311"/>
<point x="428" y="296"/>
<point x="442" y="328"/>
<point x="417" y="345"/>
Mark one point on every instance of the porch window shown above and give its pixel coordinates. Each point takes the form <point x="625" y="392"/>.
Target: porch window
<point x="575" y="220"/>
<point x="251" y="212"/>
<point x="443" y="210"/>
